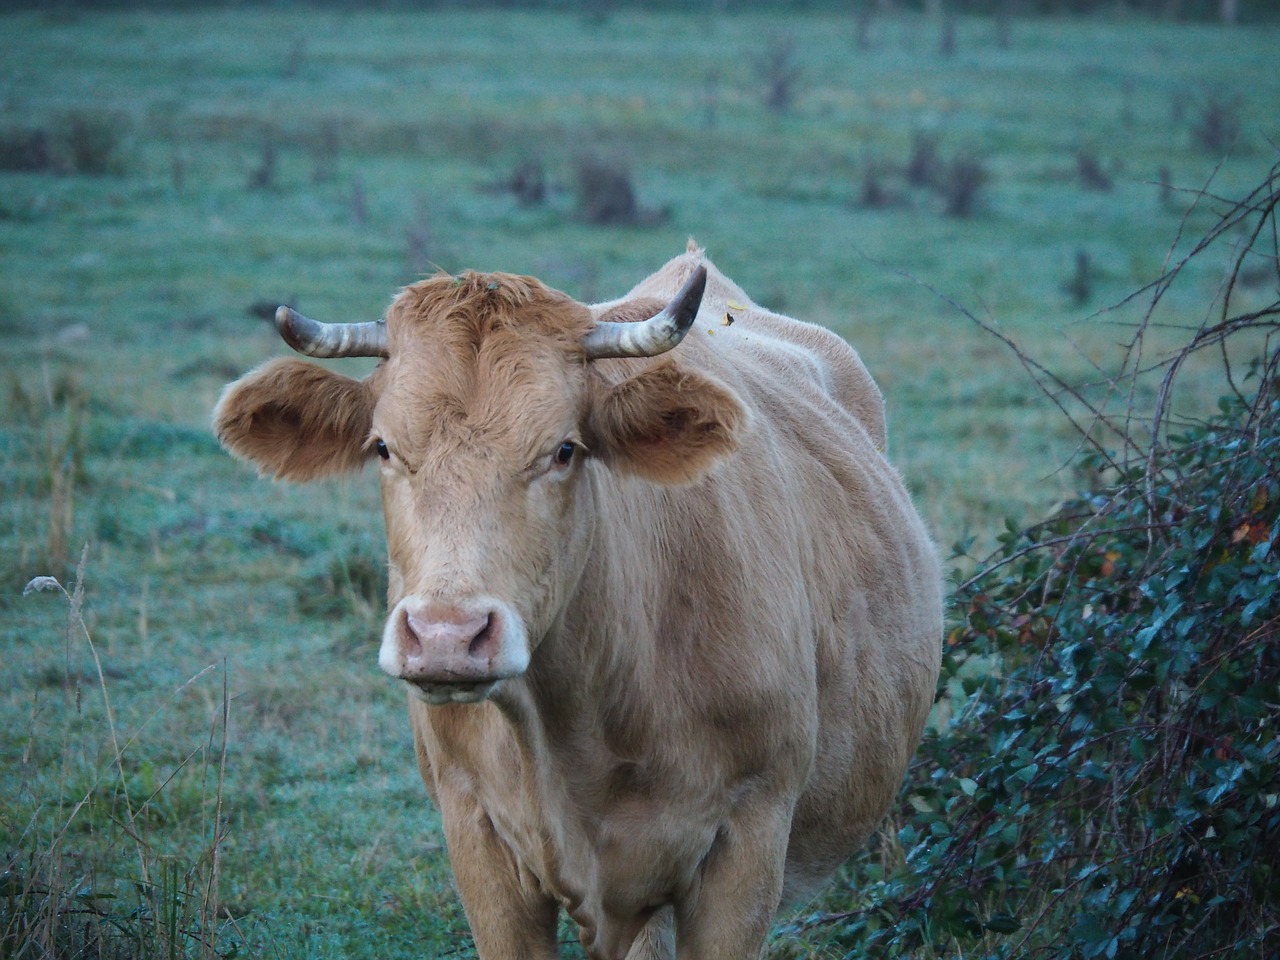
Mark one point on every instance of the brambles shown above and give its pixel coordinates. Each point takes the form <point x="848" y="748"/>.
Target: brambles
<point x="1109" y="788"/>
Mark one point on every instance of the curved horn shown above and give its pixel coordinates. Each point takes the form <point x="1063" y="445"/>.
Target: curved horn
<point x="648" y="338"/>
<point x="315" y="339"/>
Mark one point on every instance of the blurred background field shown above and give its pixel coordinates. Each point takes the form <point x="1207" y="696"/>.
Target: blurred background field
<point x="167" y="177"/>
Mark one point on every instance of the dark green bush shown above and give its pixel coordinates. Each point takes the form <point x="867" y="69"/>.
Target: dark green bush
<point x="1109" y="783"/>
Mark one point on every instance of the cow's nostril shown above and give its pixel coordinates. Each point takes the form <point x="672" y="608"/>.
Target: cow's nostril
<point x="410" y="634"/>
<point x="481" y="639"/>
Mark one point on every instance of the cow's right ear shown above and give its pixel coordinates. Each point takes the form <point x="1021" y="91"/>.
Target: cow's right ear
<point x="296" y="420"/>
<point x="666" y="424"/>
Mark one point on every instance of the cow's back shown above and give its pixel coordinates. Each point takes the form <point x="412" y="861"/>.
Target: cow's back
<point x="798" y="355"/>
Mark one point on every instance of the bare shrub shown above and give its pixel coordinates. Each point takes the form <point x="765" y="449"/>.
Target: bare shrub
<point x="325" y="150"/>
<point x="297" y="58"/>
<point x="872" y="195"/>
<point x="359" y="203"/>
<point x="263" y="177"/>
<point x="711" y="100"/>
<point x="947" y="42"/>
<point x="779" y="74"/>
<point x="1217" y="127"/>
<point x="607" y="195"/>
<point x="420" y="239"/>
<point x="862" y="24"/>
<point x="1089" y="171"/>
<point x="962" y="185"/>
<point x="873" y="192"/>
<point x="79" y="142"/>
<point x="92" y="142"/>
<point x="1080" y="287"/>
<point x="26" y="151"/>
<point x="924" y="165"/>
<point x="527" y="182"/>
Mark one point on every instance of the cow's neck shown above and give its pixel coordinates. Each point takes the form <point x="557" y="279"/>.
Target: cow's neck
<point x="589" y="689"/>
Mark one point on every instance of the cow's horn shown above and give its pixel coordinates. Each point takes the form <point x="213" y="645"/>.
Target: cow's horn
<point x="315" y="339"/>
<point x="648" y="338"/>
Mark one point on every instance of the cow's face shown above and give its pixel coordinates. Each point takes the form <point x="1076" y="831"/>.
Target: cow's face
<point x="494" y="430"/>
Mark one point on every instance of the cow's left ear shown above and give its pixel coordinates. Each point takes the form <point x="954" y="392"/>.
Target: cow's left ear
<point x="666" y="424"/>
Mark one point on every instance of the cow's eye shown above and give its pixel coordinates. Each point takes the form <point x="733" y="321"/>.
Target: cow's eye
<point x="383" y="452"/>
<point x="564" y="453"/>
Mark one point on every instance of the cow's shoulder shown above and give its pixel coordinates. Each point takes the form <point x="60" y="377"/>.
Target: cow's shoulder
<point x="832" y="364"/>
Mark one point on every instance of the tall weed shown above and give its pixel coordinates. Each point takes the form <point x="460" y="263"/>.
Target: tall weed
<point x="120" y="897"/>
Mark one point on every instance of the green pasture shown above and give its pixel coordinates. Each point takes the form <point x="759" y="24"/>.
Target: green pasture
<point x="206" y="726"/>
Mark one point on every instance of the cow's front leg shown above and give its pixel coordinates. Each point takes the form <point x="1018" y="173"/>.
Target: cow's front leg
<point x="729" y="915"/>
<point x="656" y="940"/>
<point x="510" y="917"/>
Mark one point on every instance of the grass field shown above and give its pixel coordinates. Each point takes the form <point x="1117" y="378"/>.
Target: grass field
<point x="197" y="164"/>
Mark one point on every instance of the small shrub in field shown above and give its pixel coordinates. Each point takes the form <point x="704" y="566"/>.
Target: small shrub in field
<point x="359" y="203"/>
<point x="80" y="142"/>
<point x="325" y="151"/>
<point x="607" y="195"/>
<point x="1090" y="173"/>
<point x="263" y="176"/>
<point x="962" y="184"/>
<point x="947" y="39"/>
<point x="1080" y="287"/>
<point x="93" y="143"/>
<point x="528" y="183"/>
<point x="872" y="193"/>
<point x="354" y="583"/>
<point x="924" y="166"/>
<point x="779" y="74"/>
<point x="26" y="151"/>
<point x="1217" y="127"/>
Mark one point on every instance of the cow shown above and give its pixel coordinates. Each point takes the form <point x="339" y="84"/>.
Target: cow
<point x="669" y="623"/>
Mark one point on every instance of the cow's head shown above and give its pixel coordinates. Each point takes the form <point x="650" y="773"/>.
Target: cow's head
<point x="496" y="409"/>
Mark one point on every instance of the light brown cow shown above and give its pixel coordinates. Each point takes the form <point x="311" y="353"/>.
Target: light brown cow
<point x="671" y="625"/>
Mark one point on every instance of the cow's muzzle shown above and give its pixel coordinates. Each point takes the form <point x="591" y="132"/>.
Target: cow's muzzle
<point x="453" y="652"/>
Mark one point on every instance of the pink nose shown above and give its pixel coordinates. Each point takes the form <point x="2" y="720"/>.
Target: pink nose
<point x="445" y="645"/>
